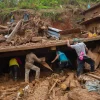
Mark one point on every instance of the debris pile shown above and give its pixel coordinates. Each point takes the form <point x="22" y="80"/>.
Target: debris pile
<point x="25" y="31"/>
<point x="63" y="86"/>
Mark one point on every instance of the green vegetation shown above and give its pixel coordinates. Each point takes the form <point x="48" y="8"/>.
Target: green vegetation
<point x="39" y="4"/>
<point x="6" y="6"/>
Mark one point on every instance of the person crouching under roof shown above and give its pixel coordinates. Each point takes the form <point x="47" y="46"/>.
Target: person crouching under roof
<point x="63" y="60"/>
<point x="14" y="66"/>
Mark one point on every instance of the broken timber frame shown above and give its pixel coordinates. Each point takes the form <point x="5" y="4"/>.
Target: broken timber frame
<point x="42" y="45"/>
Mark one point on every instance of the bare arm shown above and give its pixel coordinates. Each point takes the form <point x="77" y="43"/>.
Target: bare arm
<point x="55" y="59"/>
<point x="86" y="49"/>
<point x="68" y="44"/>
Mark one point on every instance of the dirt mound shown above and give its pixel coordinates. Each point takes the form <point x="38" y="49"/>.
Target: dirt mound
<point x="81" y="94"/>
<point x="40" y="93"/>
<point x="48" y="88"/>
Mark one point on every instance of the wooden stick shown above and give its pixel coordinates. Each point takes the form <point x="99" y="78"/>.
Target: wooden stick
<point x="94" y="76"/>
<point x="53" y="86"/>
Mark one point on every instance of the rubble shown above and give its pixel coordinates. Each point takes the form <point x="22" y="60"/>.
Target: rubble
<point x="33" y="34"/>
<point x="40" y="93"/>
<point x="25" y="32"/>
<point x="49" y="89"/>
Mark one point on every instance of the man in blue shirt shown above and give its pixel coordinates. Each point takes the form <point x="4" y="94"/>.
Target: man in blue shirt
<point x="26" y="16"/>
<point x="63" y="60"/>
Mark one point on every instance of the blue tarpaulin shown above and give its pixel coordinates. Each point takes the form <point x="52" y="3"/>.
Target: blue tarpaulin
<point x="93" y="85"/>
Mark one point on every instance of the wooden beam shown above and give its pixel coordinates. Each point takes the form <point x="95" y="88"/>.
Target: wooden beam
<point x="42" y="45"/>
<point x="31" y="46"/>
<point x="14" y="31"/>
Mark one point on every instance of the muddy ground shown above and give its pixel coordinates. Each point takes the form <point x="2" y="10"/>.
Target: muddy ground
<point x="47" y="88"/>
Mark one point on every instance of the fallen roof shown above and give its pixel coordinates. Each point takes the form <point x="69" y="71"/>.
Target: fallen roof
<point x="31" y="46"/>
<point x="90" y="20"/>
<point x="98" y="5"/>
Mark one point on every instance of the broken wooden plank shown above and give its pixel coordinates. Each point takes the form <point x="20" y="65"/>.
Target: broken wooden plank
<point x="5" y="31"/>
<point x="94" y="76"/>
<point x="3" y="27"/>
<point x="14" y="31"/>
<point x="37" y="39"/>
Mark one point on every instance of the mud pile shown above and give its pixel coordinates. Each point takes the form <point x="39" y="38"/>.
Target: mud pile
<point x="54" y="87"/>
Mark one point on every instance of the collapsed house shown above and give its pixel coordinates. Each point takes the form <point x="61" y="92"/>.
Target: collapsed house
<point x="36" y="36"/>
<point x="31" y="37"/>
<point x="91" y="19"/>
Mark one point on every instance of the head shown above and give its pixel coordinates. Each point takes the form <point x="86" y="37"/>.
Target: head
<point x="76" y="40"/>
<point x="58" y="51"/>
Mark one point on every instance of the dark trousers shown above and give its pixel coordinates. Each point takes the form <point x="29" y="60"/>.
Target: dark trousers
<point x="14" y="71"/>
<point x="82" y="62"/>
<point x="62" y="65"/>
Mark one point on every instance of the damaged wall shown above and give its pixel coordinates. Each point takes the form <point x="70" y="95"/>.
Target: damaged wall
<point x="93" y="26"/>
<point x="92" y="13"/>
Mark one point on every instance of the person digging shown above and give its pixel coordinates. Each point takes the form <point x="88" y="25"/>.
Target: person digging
<point x="29" y="64"/>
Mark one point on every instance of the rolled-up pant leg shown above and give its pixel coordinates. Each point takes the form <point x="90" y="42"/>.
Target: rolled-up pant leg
<point x="37" y="69"/>
<point x="29" y="66"/>
<point x="27" y="70"/>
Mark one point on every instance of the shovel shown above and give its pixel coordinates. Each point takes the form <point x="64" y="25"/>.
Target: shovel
<point x="46" y="65"/>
